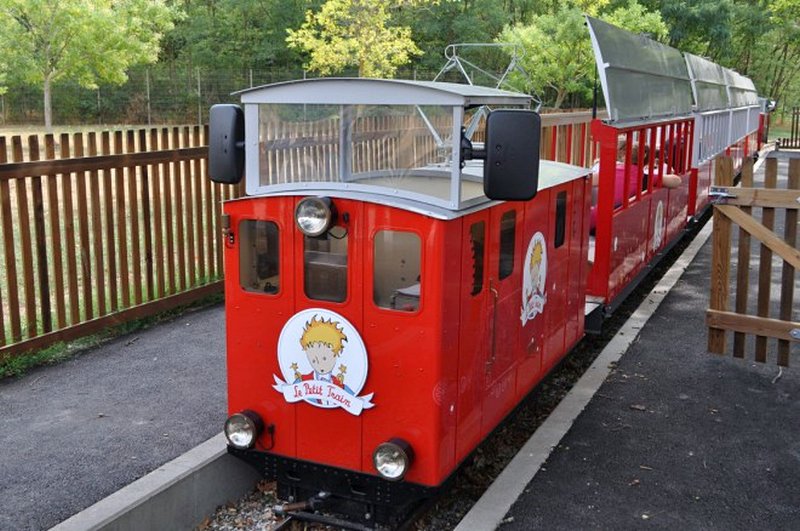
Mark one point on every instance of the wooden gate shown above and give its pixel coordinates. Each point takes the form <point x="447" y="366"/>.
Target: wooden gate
<point x="736" y="205"/>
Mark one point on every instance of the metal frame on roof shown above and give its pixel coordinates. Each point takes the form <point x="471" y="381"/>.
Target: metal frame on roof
<point x="364" y="91"/>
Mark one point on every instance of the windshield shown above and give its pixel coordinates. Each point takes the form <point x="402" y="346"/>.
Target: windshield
<point x="381" y="145"/>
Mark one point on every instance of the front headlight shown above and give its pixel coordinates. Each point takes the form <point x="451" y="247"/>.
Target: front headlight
<point x="242" y="429"/>
<point x="314" y="216"/>
<point x="392" y="459"/>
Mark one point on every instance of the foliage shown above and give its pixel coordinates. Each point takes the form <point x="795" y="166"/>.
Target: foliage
<point x="235" y="34"/>
<point x="233" y="43"/>
<point x="46" y="41"/>
<point x="355" y="33"/>
<point x="702" y="27"/>
<point x="559" y="58"/>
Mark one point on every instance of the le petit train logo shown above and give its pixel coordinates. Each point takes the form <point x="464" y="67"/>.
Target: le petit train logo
<point x="323" y="362"/>
<point x="534" y="277"/>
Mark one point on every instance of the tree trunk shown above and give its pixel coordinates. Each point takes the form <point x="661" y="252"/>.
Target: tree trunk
<point x="560" y="95"/>
<point x="48" y="104"/>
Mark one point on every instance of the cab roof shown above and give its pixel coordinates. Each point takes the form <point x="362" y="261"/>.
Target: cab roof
<point x="364" y="91"/>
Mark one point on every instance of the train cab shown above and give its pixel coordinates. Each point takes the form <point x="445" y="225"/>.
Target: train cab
<point x="402" y="270"/>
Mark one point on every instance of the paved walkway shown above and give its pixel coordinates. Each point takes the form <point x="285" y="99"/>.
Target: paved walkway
<point x="677" y="438"/>
<point x="73" y="433"/>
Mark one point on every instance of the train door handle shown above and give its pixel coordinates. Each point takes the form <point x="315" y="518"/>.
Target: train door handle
<point x="493" y="345"/>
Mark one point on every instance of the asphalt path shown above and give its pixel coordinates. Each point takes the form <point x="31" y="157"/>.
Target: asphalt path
<point x="73" y="433"/>
<point x="677" y="438"/>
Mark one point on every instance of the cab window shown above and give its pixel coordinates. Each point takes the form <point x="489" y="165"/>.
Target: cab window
<point x="508" y="225"/>
<point x="477" y="238"/>
<point x="258" y="256"/>
<point x="397" y="262"/>
<point x="325" y="266"/>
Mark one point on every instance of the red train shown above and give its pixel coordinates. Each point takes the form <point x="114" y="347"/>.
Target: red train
<point x="404" y="270"/>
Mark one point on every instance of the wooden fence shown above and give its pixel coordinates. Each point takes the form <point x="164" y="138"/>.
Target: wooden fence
<point x="793" y="140"/>
<point x="735" y="205"/>
<point x="99" y="229"/>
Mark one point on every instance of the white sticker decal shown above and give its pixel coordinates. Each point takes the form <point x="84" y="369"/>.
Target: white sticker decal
<point x="658" y="227"/>
<point x="323" y="362"/>
<point x="534" y="276"/>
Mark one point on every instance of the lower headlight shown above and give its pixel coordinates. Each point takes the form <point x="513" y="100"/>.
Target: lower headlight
<point x="392" y="459"/>
<point x="242" y="429"/>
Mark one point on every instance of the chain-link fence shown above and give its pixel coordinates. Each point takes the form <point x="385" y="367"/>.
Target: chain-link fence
<point x="159" y="94"/>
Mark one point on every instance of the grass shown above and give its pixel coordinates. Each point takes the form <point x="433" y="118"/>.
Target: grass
<point x="19" y="365"/>
<point x="780" y="130"/>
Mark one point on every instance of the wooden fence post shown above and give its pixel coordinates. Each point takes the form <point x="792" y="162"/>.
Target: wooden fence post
<point x="720" y="258"/>
<point x="788" y="273"/>
<point x="765" y="260"/>
<point x="743" y="264"/>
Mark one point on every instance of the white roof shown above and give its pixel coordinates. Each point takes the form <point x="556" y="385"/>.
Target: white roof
<point x="365" y="91"/>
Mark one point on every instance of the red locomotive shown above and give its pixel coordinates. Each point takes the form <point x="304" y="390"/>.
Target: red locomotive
<point x="404" y="270"/>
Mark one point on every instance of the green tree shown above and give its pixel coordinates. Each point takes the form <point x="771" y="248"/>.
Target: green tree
<point x="236" y="34"/>
<point x="357" y="33"/>
<point x="558" y="54"/>
<point x="45" y="41"/>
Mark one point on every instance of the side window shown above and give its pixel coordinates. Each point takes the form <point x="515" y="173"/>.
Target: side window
<point x="561" y="219"/>
<point x="258" y="256"/>
<point x="477" y="238"/>
<point x="508" y="224"/>
<point x="325" y="266"/>
<point x="397" y="261"/>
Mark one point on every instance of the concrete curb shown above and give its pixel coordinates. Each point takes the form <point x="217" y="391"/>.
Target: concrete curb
<point x="177" y="495"/>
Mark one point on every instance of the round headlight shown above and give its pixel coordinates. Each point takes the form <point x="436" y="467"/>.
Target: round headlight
<point x="314" y="216"/>
<point x="242" y="429"/>
<point x="393" y="459"/>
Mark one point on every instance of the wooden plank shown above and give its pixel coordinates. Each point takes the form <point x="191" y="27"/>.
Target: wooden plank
<point x="42" y="275"/>
<point x="111" y="252"/>
<point x="760" y="197"/>
<point x="3" y="222"/>
<point x="9" y="254"/>
<point x="158" y="182"/>
<point x="147" y="221"/>
<point x="198" y="209"/>
<point x="788" y="272"/>
<point x="188" y="205"/>
<point x="122" y="227"/>
<point x="753" y="325"/>
<point x="69" y="236"/>
<point x="720" y="258"/>
<point x="177" y="177"/>
<point x="132" y="206"/>
<point x="107" y="161"/>
<point x="26" y="245"/>
<point x="743" y="264"/>
<point x="169" y="220"/>
<point x="97" y="234"/>
<point x="209" y="206"/>
<point x="100" y="324"/>
<point x="53" y="209"/>
<point x="83" y="231"/>
<point x="765" y="259"/>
